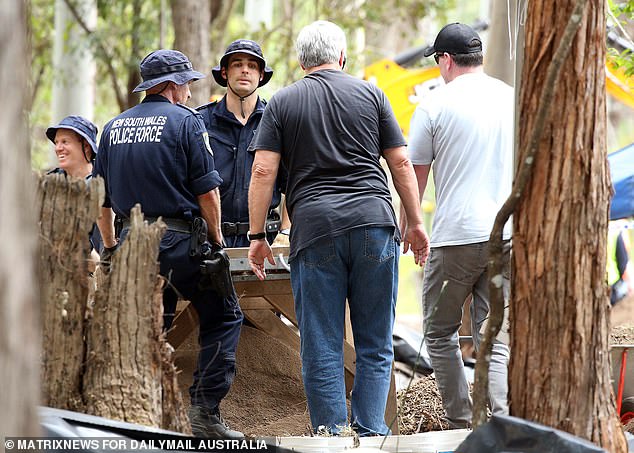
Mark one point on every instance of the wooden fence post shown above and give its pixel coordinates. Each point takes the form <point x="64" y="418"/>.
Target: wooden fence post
<point x="130" y="374"/>
<point x="68" y="209"/>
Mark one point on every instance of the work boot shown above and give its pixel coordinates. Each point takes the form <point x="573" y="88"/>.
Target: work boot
<point x="209" y="424"/>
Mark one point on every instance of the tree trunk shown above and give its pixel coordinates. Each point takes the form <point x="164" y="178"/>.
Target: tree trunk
<point x="559" y="372"/>
<point x="73" y="90"/>
<point x="129" y="373"/>
<point x="134" y="76"/>
<point x="191" y="29"/>
<point x="19" y="326"/>
<point x="499" y="60"/>
<point x="68" y="209"/>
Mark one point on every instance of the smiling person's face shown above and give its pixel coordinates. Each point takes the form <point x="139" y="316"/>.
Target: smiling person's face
<point x="68" y="150"/>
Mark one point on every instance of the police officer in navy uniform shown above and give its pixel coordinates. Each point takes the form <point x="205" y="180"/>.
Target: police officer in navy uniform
<point x="157" y="154"/>
<point x="75" y="140"/>
<point x="231" y="123"/>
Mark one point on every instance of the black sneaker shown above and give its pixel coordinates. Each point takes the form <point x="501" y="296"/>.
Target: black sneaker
<point x="209" y="424"/>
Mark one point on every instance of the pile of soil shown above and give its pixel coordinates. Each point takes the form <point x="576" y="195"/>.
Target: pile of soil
<point x="420" y="408"/>
<point x="267" y="396"/>
<point x="622" y="335"/>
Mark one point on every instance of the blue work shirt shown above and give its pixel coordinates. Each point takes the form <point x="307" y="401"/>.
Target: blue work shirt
<point x="156" y="154"/>
<point x="229" y="141"/>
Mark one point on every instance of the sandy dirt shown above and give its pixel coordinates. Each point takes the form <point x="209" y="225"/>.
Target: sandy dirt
<point x="267" y="397"/>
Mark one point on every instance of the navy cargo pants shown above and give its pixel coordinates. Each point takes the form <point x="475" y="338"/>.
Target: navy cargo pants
<point x="220" y="320"/>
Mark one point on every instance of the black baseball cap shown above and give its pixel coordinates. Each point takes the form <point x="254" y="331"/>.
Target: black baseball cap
<point x="454" y="39"/>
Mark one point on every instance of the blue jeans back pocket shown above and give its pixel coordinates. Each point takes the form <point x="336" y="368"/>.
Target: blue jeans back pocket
<point x="379" y="243"/>
<point x="319" y="252"/>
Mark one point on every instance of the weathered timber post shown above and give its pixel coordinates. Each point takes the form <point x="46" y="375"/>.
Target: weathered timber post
<point x="19" y="308"/>
<point x="68" y="208"/>
<point x="129" y="371"/>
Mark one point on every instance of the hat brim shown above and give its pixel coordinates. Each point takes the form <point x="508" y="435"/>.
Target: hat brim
<point x="52" y="131"/>
<point x="220" y="80"/>
<point x="179" y="78"/>
<point x="225" y="57"/>
<point x="429" y="51"/>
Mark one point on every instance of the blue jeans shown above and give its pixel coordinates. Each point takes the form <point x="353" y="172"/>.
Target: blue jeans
<point x="360" y="265"/>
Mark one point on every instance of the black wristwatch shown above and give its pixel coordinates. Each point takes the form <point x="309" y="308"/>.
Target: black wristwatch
<point x="255" y="236"/>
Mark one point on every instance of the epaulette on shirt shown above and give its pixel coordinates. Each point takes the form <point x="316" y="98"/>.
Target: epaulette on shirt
<point x="204" y="106"/>
<point x="189" y="108"/>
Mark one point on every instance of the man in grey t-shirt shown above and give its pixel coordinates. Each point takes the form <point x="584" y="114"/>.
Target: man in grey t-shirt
<point x="330" y="130"/>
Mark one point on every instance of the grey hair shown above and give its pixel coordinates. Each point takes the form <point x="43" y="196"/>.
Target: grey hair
<point x="320" y="43"/>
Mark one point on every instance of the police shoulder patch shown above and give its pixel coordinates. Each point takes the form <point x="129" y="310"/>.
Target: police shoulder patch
<point x="207" y="145"/>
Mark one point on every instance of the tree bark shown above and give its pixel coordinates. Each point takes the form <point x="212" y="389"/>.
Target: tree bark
<point x="129" y="373"/>
<point x="134" y="75"/>
<point x="499" y="60"/>
<point x="68" y="209"/>
<point x="191" y="36"/>
<point x="19" y="319"/>
<point x="559" y="372"/>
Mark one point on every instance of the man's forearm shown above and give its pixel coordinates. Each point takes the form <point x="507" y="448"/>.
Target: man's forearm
<point x="405" y="183"/>
<point x="407" y="190"/>
<point x="105" y="222"/>
<point x="210" y="210"/>
<point x="263" y="176"/>
<point x="286" y="220"/>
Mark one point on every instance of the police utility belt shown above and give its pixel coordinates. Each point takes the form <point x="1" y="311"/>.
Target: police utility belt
<point x="177" y="225"/>
<point x="273" y="225"/>
<point x="214" y="261"/>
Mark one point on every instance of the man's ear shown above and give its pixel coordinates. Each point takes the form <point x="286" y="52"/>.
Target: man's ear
<point x="342" y="60"/>
<point x="223" y="73"/>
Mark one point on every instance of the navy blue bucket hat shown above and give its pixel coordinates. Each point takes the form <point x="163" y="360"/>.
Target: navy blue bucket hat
<point x="80" y="125"/>
<point x="242" y="46"/>
<point x="166" y="65"/>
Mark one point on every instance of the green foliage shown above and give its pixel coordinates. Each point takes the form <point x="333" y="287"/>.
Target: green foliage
<point x="356" y="17"/>
<point x="41" y="31"/>
<point x="127" y="30"/>
<point x="622" y="57"/>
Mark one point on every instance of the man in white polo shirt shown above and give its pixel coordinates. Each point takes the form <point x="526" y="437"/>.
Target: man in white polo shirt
<point x="465" y="129"/>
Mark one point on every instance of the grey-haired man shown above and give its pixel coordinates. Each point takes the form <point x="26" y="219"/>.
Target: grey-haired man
<point x="330" y="131"/>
